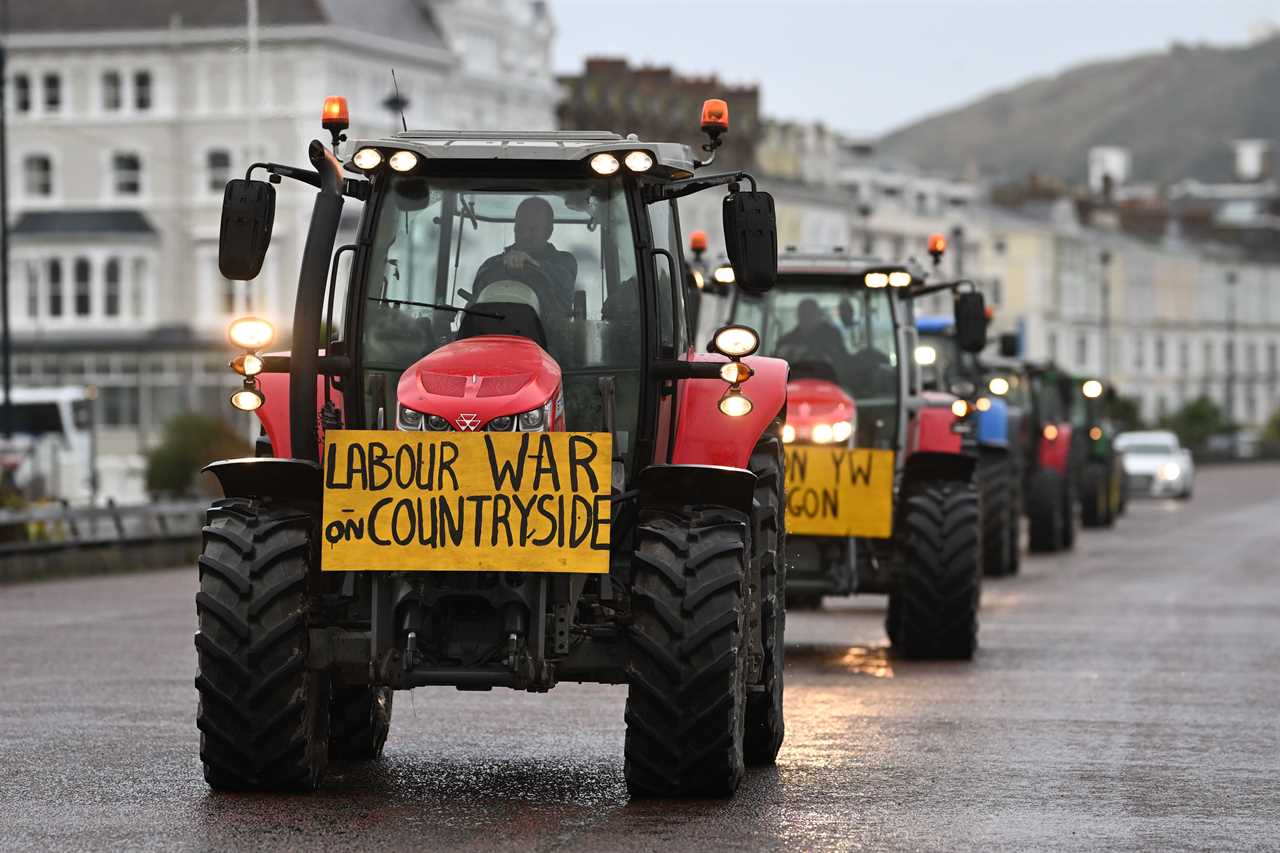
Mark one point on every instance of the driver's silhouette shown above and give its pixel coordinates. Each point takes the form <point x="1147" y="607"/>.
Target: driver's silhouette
<point x="534" y="223"/>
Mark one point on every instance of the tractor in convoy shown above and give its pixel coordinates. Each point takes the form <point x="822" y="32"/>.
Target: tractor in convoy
<point x="881" y="497"/>
<point x="1101" y="469"/>
<point x="502" y="463"/>
<point x="993" y="442"/>
<point x="1040" y="394"/>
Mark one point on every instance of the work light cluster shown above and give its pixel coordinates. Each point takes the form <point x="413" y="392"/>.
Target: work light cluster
<point x="251" y="335"/>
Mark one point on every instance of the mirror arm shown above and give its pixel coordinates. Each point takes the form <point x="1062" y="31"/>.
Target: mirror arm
<point x="351" y="188"/>
<point x="913" y="292"/>
<point x="689" y="186"/>
<point x="687" y="369"/>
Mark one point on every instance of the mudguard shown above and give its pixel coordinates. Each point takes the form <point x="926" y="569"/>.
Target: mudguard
<point x="932" y="433"/>
<point x="676" y="486"/>
<point x="253" y="477"/>
<point x="1054" y="454"/>
<point x="929" y="466"/>
<point x="706" y="436"/>
<point x="274" y="412"/>
<point x="993" y="424"/>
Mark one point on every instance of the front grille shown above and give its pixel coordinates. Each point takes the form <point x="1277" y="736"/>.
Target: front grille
<point x="1140" y="481"/>
<point x="501" y="386"/>
<point x="444" y="384"/>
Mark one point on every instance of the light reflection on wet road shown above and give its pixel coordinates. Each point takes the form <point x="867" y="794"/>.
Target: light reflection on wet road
<point x="1125" y="696"/>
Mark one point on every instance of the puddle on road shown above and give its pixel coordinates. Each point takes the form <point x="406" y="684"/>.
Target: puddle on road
<point x="874" y="661"/>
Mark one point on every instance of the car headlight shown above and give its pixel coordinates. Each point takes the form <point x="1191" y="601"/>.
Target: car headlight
<point x="1168" y="471"/>
<point x="409" y="419"/>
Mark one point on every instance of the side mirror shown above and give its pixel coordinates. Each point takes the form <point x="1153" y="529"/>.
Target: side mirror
<point x="751" y="240"/>
<point x="1010" y="345"/>
<point x="248" y="210"/>
<point x="971" y="321"/>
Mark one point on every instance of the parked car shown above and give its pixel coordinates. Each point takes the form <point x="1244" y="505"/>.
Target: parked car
<point x="1156" y="465"/>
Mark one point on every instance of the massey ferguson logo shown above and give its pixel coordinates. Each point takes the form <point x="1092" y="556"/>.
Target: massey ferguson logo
<point x="468" y="422"/>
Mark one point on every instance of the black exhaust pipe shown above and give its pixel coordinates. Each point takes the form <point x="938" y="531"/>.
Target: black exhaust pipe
<point x="308" y="310"/>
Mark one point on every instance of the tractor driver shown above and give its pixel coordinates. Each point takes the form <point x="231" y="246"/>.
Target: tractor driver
<point x="815" y="339"/>
<point x="534" y="222"/>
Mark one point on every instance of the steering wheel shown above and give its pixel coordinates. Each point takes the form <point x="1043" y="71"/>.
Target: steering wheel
<point x="551" y="303"/>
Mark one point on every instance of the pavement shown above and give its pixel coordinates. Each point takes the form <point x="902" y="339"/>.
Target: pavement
<point x="1125" y="697"/>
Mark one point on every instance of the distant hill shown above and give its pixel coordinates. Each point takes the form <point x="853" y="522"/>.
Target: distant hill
<point x="1177" y="112"/>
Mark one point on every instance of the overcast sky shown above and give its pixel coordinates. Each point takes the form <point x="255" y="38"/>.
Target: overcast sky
<point x="867" y="66"/>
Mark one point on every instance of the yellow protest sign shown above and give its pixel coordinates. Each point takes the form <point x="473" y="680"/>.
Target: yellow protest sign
<point x="455" y="501"/>
<point x="839" y="491"/>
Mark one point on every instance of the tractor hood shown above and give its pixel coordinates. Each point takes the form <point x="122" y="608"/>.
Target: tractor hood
<point x="472" y="381"/>
<point x="811" y="402"/>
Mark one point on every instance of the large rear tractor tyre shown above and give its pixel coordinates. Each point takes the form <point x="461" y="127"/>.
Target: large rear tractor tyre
<point x="263" y="715"/>
<point x="935" y="614"/>
<point x="687" y="666"/>
<point x="359" y="720"/>
<point x="1045" y="513"/>
<point x="995" y="483"/>
<point x="765" y="727"/>
<point x="1068" y="505"/>
<point x="1015" y="524"/>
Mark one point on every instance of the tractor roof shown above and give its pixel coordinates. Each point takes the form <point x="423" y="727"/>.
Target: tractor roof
<point x="792" y="261"/>
<point x="558" y="146"/>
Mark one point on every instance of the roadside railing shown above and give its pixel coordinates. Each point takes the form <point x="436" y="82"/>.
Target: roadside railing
<point x="58" y="539"/>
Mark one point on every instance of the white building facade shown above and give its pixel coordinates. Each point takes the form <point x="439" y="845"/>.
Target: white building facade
<point x="125" y="124"/>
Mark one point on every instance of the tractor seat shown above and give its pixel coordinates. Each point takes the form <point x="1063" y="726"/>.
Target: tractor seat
<point x="517" y="319"/>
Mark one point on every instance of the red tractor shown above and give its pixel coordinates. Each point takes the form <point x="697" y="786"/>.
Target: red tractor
<point x="908" y="524"/>
<point x="510" y="295"/>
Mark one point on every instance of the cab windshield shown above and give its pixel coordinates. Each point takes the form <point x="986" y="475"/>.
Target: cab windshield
<point x="940" y="360"/>
<point x="844" y="335"/>
<point x="555" y="259"/>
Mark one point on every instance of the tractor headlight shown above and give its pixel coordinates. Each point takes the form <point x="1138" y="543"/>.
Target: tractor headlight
<point x="926" y="355"/>
<point x="1091" y="388"/>
<point x="604" y="164"/>
<point x="639" y="161"/>
<point x="841" y="430"/>
<point x="735" y="341"/>
<point x="735" y="404"/>
<point x="367" y="158"/>
<point x="403" y="161"/>
<point x="250" y="333"/>
<point x="998" y="386"/>
<point x="899" y="278"/>
<point x="535" y="420"/>
<point x="959" y="408"/>
<point x="247" y="364"/>
<point x="788" y="433"/>
<point x="822" y="434"/>
<point x="502" y="423"/>
<point x="724" y="275"/>
<point x="876" y="279"/>
<point x="435" y="423"/>
<point x="983" y="404"/>
<point x="735" y="372"/>
<point x="409" y="419"/>
<point x="248" y="399"/>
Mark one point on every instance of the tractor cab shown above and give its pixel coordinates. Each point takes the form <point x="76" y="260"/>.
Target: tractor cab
<point x="495" y="456"/>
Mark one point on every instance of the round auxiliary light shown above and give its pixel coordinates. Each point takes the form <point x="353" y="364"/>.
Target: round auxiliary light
<point x="822" y="433"/>
<point x="926" y="355"/>
<point x="247" y="399"/>
<point x="983" y="404"/>
<point x="788" y="433"/>
<point x="403" y="161"/>
<point x="250" y="333"/>
<point x="604" y="164"/>
<point x="1095" y="433"/>
<point x="724" y="275"/>
<point x="959" y="408"/>
<point x="735" y="372"/>
<point x="876" y="279"/>
<point x="735" y="341"/>
<point x="735" y="404"/>
<point x="899" y="278"/>
<point x="639" y="161"/>
<point x="247" y="364"/>
<point x="1050" y="432"/>
<point x="841" y="430"/>
<point x="998" y="386"/>
<point x="367" y="158"/>
<point x="1091" y="388"/>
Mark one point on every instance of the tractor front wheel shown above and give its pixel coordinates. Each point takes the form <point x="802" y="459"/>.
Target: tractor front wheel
<point x="263" y="715"/>
<point x="996" y="483"/>
<point x="1045" y="513"/>
<point x="687" y="666"/>
<point x="765" y="727"/>
<point x="934" y="611"/>
<point x="359" y="721"/>
<point x="1095" y="496"/>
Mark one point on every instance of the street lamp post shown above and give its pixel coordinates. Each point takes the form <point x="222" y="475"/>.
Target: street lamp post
<point x="1230" y="395"/>
<point x="1105" y="259"/>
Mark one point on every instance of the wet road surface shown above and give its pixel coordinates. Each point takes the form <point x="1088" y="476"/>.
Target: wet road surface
<point x="1125" y="696"/>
